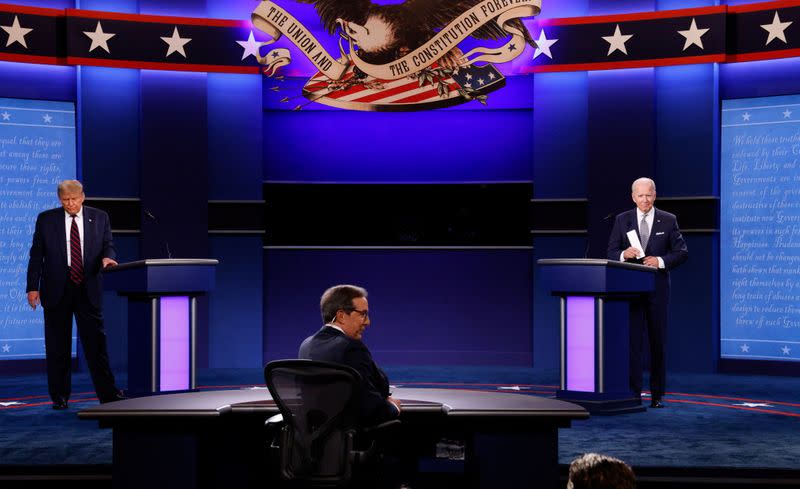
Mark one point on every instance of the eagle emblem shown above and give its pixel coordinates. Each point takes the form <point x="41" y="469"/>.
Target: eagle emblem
<point x="402" y="56"/>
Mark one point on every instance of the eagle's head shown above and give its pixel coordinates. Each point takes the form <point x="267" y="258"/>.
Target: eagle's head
<point x="375" y="35"/>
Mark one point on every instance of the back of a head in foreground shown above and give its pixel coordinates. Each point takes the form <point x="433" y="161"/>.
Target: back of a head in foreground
<point x="596" y="471"/>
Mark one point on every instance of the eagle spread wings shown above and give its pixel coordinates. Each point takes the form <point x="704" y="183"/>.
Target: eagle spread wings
<point x="384" y="33"/>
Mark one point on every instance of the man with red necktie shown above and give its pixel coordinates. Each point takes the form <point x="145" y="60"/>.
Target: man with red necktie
<point x="71" y="245"/>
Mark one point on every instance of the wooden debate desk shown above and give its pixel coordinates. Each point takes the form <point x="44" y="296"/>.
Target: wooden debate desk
<point x="211" y="439"/>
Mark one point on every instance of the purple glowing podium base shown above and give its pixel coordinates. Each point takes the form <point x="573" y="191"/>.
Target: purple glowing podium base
<point x="595" y="302"/>
<point x="162" y="311"/>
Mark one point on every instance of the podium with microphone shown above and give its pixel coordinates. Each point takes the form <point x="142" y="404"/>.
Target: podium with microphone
<point x="595" y="297"/>
<point x="162" y="315"/>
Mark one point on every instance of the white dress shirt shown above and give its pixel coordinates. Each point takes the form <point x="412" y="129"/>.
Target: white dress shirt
<point x="331" y="325"/>
<point x="68" y="228"/>
<point x="649" y="219"/>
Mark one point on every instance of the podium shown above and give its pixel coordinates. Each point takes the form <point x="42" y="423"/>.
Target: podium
<point x="162" y="315"/>
<point x="595" y="304"/>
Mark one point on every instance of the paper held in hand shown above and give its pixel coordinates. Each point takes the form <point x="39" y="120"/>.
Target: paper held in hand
<point x="633" y="238"/>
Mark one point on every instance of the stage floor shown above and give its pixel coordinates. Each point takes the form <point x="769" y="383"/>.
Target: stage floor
<point x="711" y="421"/>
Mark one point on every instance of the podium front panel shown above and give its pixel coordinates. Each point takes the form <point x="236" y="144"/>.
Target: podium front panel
<point x="595" y="297"/>
<point x="580" y="347"/>
<point x="174" y="343"/>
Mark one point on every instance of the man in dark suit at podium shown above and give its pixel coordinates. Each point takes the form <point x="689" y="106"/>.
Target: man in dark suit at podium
<point x="345" y="313"/>
<point x="71" y="245"/>
<point x="663" y="247"/>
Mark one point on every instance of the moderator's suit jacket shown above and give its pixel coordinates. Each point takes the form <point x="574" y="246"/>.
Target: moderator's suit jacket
<point x="665" y="241"/>
<point x="331" y="345"/>
<point x="47" y="267"/>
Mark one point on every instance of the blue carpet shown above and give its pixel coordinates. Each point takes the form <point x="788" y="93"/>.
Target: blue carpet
<point x="711" y="420"/>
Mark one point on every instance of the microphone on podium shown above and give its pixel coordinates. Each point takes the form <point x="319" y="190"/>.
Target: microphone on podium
<point x="160" y="231"/>
<point x="608" y="216"/>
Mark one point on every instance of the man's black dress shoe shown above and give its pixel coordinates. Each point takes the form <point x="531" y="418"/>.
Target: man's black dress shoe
<point x="117" y="396"/>
<point x="59" y="404"/>
<point x="657" y="403"/>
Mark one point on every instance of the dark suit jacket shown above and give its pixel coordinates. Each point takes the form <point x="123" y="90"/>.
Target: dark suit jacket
<point x="47" y="267"/>
<point x="331" y="345"/>
<point x="665" y="241"/>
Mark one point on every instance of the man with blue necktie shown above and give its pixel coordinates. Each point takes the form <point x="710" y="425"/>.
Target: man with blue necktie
<point x="663" y="247"/>
<point x="71" y="246"/>
<point x="345" y="313"/>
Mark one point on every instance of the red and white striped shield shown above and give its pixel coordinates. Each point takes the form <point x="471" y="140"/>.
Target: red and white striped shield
<point x="428" y="89"/>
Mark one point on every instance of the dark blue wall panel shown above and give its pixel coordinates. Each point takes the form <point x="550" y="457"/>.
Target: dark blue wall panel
<point x="687" y="120"/>
<point x="108" y="107"/>
<point x="693" y="330"/>
<point x="122" y="6"/>
<point x="174" y="163"/>
<point x="230" y="9"/>
<point x="759" y="78"/>
<point x="21" y="80"/>
<point x="182" y="8"/>
<point x="435" y="146"/>
<point x="59" y="4"/>
<point x="236" y="324"/>
<point x="560" y="132"/>
<point x="608" y="7"/>
<point x="470" y="307"/>
<point x="235" y="168"/>
<point x="678" y="4"/>
<point x="620" y="146"/>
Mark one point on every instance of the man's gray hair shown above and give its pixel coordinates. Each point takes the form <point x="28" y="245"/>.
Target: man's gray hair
<point x="69" y="186"/>
<point x="643" y="180"/>
<point x="339" y="297"/>
<point x="597" y="471"/>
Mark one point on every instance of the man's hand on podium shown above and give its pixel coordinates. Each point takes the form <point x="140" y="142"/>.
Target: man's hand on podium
<point x="631" y="253"/>
<point x="650" y="261"/>
<point x="109" y="262"/>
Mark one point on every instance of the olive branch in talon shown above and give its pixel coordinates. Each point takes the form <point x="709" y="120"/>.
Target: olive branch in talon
<point x="472" y="94"/>
<point x="434" y="76"/>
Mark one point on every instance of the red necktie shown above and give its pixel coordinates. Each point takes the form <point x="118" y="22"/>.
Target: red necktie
<point x="75" y="255"/>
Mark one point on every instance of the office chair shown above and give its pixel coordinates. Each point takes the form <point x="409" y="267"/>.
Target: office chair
<point x="318" y="440"/>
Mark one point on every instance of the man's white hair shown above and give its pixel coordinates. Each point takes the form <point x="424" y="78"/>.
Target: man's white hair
<point x="643" y="180"/>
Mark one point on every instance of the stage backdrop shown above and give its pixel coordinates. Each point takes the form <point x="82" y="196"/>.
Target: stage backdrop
<point x="760" y="229"/>
<point x="37" y="150"/>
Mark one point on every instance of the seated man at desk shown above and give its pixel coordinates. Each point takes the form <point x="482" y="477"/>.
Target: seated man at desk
<point x="345" y="314"/>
